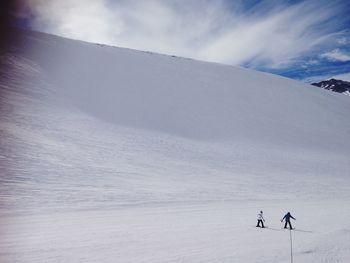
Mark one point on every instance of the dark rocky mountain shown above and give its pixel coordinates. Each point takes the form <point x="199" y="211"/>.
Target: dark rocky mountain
<point x="335" y="85"/>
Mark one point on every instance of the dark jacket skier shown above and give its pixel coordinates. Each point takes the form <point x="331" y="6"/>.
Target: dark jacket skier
<point x="287" y="218"/>
<point x="260" y="220"/>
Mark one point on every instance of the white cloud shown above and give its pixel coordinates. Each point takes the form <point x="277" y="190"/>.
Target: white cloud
<point x="318" y="78"/>
<point x="336" y="55"/>
<point x="271" y="36"/>
<point x="315" y="79"/>
<point x="88" y="20"/>
<point x="345" y="76"/>
<point x="313" y="62"/>
<point x="342" y="41"/>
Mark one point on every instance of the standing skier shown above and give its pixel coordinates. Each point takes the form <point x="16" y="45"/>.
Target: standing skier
<point x="260" y="220"/>
<point x="287" y="218"/>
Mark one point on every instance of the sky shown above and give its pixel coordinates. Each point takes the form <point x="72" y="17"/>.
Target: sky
<point x="304" y="40"/>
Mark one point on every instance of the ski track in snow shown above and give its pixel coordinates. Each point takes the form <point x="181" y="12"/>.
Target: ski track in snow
<point x="159" y="181"/>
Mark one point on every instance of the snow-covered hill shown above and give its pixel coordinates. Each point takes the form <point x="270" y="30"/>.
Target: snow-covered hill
<point x="110" y="153"/>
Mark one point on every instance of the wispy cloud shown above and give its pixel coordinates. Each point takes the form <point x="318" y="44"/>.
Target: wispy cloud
<point x="342" y="41"/>
<point x="345" y="77"/>
<point x="335" y="55"/>
<point x="270" y="34"/>
<point x="318" y="78"/>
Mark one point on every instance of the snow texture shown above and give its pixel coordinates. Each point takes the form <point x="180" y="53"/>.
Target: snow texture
<point x="117" y="155"/>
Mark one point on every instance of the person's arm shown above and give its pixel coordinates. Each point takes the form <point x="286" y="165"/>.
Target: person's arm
<point x="283" y="218"/>
<point x="293" y="217"/>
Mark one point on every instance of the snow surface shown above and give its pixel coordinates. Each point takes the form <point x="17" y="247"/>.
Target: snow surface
<point x="117" y="155"/>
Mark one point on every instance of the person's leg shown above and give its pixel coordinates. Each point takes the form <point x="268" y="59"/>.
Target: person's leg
<point x="262" y="223"/>
<point x="258" y="225"/>
<point x="285" y="224"/>
<point x="290" y="225"/>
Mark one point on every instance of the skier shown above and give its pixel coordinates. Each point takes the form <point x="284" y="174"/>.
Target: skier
<point x="287" y="218"/>
<point x="260" y="220"/>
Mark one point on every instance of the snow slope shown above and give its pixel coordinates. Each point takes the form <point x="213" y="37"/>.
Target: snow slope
<point x="117" y="155"/>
